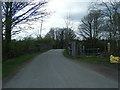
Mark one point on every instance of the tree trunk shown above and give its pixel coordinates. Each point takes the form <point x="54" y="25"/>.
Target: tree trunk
<point x="1" y="33"/>
<point x="8" y="28"/>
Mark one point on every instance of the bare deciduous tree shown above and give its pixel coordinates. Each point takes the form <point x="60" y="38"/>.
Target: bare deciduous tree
<point x="17" y="12"/>
<point x="91" y="25"/>
<point x="12" y="16"/>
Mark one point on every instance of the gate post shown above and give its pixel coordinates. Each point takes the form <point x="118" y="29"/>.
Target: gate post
<point x="74" y="48"/>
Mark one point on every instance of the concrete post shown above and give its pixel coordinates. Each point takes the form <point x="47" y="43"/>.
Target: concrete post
<point x="74" y="48"/>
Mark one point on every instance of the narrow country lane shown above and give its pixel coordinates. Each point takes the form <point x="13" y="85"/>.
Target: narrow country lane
<point x="52" y="70"/>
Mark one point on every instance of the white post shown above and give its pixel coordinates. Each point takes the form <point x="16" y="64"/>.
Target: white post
<point x="108" y="46"/>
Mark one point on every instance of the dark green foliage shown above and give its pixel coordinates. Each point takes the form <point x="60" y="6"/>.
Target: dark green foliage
<point x="94" y="43"/>
<point x="45" y="40"/>
<point x="28" y="45"/>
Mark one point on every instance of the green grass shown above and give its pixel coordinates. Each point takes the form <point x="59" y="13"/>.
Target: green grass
<point x="0" y="70"/>
<point x="92" y="59"/>
<point x="11" y="65"/>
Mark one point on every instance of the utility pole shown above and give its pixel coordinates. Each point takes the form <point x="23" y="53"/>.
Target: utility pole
<point x="41" y="28"/>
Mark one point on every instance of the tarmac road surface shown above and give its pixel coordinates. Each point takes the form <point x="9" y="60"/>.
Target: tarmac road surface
<point x="52" y="70"/>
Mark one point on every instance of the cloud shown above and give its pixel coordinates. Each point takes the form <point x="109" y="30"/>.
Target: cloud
<point x="77" y="9"/>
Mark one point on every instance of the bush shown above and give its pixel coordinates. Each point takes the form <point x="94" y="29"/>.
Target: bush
<point x="27" y="45"/>
<point x="95" y="43"/>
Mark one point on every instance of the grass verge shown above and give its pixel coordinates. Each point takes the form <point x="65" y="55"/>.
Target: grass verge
<point x="91" y="59"/>
<point x="11" y="65"/>
<point x="0" y="70"/>
<point x="104" y="61"/>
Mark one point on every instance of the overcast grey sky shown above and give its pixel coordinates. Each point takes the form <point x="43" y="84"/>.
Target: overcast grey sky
<point x="77" y="9"/>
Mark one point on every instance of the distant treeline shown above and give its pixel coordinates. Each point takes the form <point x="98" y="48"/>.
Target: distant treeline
<point x="63" y="37"/>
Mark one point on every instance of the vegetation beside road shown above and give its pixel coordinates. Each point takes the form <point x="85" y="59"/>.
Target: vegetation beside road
<point x="11" y="65"/>
<point x="104" y="61"/>
<point x="92" y="59"/>
<point x="24" y="46"/>
<point x="0" y="70"/>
